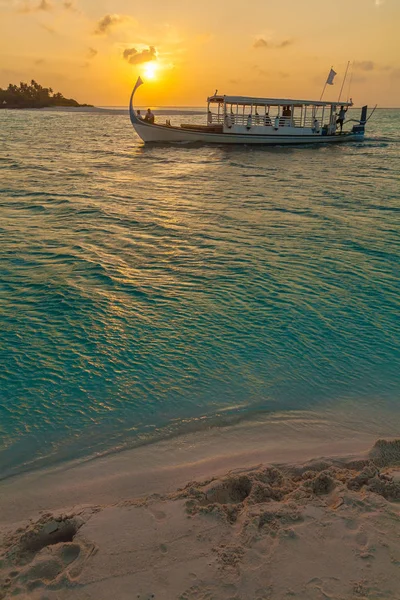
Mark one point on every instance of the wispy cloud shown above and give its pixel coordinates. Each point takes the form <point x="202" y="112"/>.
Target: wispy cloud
<point x="28" y="7"/>
<point x="92" y="52"/>
<point x="364" y="65"/>
<point x="261" y="72"/>
<point x="136" y="57"/>
<point x="48" y="28"/>
<point x="31" y="6"/>
<point x="105" y="24"/>
<point x="379" y="2"/>
<point x="263" y="43"/>
<point x="69" y="5"/>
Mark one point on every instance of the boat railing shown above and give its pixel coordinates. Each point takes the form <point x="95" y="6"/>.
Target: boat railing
<point x="231" y="119"/>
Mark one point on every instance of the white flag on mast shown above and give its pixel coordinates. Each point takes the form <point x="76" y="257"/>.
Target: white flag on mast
<point x="331" y="77"/>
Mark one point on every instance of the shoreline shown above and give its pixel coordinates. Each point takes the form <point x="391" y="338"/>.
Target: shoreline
<point x="368" y="423"/>
<point x="213" y="448"/>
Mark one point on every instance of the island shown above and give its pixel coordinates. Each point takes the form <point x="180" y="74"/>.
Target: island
<point x="33" y="96"/>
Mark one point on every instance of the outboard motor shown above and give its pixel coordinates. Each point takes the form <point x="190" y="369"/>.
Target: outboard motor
<point x="360" y="129"/>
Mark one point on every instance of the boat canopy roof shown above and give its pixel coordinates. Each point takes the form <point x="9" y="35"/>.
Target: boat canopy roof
<point x="248" y="100"/>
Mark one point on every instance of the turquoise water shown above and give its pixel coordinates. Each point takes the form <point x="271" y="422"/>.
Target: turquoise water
<point x="145" y="291"/>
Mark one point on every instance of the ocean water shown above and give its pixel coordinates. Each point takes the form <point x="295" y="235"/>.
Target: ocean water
<point x="146" y="291"/>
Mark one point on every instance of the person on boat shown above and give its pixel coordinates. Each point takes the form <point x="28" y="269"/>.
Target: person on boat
<point x="209" y="117"/>
<point x="139" y="116"/>
<point x="341" y="117"/>
<point x="267" y="120"/>
<point x="149" y="117"/>
<point x="316" y="127"/>
<point x="249" y="122"/>
<point x="287" y="116"/>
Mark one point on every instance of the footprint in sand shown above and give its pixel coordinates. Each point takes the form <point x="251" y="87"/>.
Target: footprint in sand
<point x="45" y="553"/>
<point x="159" y="515"/>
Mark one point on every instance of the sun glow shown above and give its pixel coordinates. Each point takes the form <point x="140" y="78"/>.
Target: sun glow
<point x="150" y="70"/>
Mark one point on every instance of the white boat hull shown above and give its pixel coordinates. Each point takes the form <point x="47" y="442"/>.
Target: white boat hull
<point x="162" y="134"/>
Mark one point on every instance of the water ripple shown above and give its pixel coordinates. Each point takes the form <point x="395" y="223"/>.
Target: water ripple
<point x="143" y="289"/>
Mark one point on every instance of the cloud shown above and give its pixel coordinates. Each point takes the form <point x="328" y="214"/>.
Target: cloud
<point x="92" y="52"/>
<point x="365" y="65"/>
<point x="261" y="72"/>
<point x="39" y="61"/>
<point x="379" y="2"/>
<point x="48" y="28"/>
<point x="262" y="43"/>
<point x="28" y="7"/>
<point x="284" y="44"/>
<point x="105" y="24"/>
<point x="134" y="57"/>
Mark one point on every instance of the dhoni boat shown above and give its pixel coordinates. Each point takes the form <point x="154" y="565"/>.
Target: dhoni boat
<point x="261" y="121"/>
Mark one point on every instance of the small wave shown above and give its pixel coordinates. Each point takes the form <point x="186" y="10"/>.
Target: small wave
<point x="370" y="144"/>
<point x="385" y="139"/>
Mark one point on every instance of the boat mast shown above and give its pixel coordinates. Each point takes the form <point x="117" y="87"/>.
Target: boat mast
<point x="344" y="80"/>
<point x="351" y="79"/>
<point x="326" y="82"/>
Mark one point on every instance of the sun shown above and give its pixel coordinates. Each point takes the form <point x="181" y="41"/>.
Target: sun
<point x="150" y="70"/>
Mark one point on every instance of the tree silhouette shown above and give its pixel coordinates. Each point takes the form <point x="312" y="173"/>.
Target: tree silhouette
<point x="33" y="95"/>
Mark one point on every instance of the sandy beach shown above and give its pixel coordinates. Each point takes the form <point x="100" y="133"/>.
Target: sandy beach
<point x="179" y="520"/>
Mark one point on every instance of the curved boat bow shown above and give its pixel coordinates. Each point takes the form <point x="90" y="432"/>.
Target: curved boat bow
<point x="134" y="119"/>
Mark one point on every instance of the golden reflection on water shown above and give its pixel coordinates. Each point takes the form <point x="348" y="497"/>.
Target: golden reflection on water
<point x="152" y="289"/>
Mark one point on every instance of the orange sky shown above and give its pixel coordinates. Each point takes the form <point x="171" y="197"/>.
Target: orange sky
<point x="93" y="50"/>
